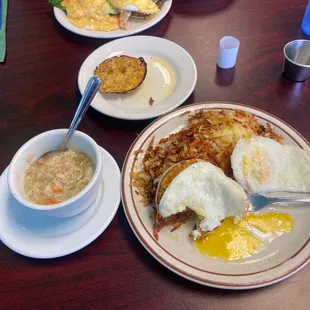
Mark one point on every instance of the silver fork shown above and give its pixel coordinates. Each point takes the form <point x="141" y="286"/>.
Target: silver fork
<point x="258" y="201"/>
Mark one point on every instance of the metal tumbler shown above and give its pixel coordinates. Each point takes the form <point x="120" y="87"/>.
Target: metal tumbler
<point x="297" y="60"/>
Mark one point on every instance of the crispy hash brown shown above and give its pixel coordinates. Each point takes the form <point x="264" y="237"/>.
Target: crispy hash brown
<point x="210" y="135"/>
<point x="121" y="74"/>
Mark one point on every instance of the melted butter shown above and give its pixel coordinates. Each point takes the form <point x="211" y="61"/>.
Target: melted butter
<point x="159" y="83"/>
<point x="236" y="241"/>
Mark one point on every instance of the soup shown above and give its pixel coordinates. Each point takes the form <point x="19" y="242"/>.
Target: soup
<point x="58" y="176"/>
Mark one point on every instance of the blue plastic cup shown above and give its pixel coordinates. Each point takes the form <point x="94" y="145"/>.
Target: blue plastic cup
<point x="305" y="26"/>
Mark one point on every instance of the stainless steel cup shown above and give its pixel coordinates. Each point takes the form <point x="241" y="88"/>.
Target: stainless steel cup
<point x="297" y="60"/>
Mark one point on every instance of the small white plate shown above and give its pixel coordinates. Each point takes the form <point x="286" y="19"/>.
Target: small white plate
<point x="278" y="260"/>
<point x="33" y="234"/>
<point x="127" y="106"/>
<point x="136" y="25"/>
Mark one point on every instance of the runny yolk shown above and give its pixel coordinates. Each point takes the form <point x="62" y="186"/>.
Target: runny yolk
<point x="235" y="241"/>
<point x="257" y="165"/>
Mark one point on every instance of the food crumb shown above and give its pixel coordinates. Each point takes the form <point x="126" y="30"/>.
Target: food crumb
<point x="151" y="101"/>
<point x="138" y="152"/>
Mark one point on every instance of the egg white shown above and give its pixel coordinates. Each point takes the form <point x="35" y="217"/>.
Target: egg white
<point x="207" y="191"/>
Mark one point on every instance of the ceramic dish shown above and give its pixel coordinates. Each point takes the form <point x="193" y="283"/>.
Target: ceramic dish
<point x="136" y="25"/>
<point x="280" y="259"/>
<point x="34" y="234"/>
<point x="33" y="150"/>
<point x="166" y="61"/>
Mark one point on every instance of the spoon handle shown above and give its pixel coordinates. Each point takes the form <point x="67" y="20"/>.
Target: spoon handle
<point x="91" y="89"/>
<point x="302" y="198"/>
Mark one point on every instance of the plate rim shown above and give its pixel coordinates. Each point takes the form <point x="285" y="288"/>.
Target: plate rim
<point x="109" y="34"/>
<point x="162" y="260"/>
<point x="87" y="240"/>
<point x="157" y="114"/>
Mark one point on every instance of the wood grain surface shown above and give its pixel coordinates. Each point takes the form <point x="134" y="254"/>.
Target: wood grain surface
<point x="38" y="92"/>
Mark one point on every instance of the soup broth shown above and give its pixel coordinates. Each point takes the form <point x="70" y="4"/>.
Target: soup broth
<point x="58" y="176"/>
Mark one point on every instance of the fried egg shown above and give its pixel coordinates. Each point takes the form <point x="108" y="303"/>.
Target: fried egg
<point x="206" y="190"/>
<point x="263" y="165"/>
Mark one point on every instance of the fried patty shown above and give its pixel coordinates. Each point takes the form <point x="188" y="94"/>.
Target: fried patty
<point x="121" y="74"/>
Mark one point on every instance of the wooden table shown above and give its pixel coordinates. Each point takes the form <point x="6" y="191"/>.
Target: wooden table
<point x="38" y="92"/>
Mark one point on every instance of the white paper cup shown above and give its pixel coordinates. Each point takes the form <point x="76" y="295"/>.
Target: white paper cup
<point x="228" y="52"/>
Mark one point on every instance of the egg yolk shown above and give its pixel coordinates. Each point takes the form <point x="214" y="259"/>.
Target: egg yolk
<point x="257" y="165"/>
<point x="236" y="241"/>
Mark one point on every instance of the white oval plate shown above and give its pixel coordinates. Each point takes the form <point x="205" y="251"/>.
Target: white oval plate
<point x="136" y="25"/>
<point x="280" y="259"/>
<point x="119" y="106"/>
<point x="33" y="234"/>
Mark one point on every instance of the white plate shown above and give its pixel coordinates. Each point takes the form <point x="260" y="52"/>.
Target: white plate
<point x="280" y="259"/>
<point x="123" y="106"/>
<point x="32" y="234"/>
<point x="136" y="25"/>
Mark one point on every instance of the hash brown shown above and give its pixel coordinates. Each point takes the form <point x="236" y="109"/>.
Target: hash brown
<point x="210" y="135"/>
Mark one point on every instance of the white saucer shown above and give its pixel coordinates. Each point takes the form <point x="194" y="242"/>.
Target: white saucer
<point x="135" y="105"/>
<point x="33" y="234"/>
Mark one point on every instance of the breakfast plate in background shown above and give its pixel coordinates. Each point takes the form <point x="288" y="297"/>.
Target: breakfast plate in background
<point x="135" y="25"/>
<point x="171" y="78"/>
<point x="277" y="260"/>
<point x="33" y="234"/>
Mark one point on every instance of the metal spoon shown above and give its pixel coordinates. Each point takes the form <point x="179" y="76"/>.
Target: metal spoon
<point x="258" y="201"/>
<point x="91" y="90"/>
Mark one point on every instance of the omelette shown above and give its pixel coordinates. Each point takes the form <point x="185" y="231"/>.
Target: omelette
<point x="92" y="14"/>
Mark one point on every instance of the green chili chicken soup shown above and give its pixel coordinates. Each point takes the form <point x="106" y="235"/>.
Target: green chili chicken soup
<point x="58" y="176"/>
